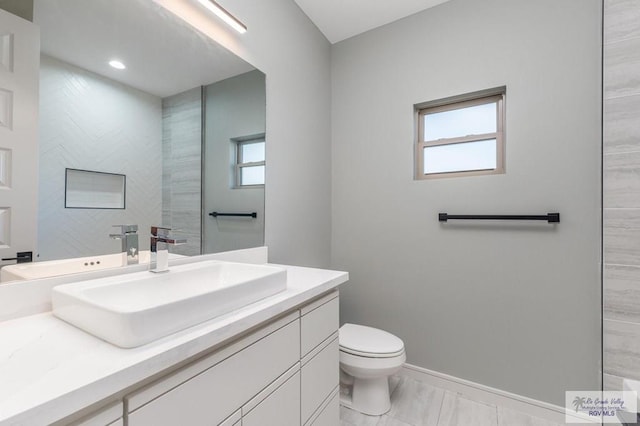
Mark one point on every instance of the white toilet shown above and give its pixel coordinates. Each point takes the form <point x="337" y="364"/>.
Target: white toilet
<point x="368" y="357"/>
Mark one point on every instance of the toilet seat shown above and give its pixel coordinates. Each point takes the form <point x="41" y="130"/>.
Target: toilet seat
<point x="369" y="342"/>
<point x="370" y="354"/>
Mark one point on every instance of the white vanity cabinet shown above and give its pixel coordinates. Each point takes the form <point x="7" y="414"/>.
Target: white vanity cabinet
<point x="210" y="390"/>
<point x="280" y="407"/>
<point x="319" y="361"/>
<point x="110" y="415"/>
<point x="233" y="420"/>
<point x="283" y="374"/>
<point x="329" y="412"/>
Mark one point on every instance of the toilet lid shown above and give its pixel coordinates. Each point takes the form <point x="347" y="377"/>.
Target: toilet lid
<point x="368" y="340"/>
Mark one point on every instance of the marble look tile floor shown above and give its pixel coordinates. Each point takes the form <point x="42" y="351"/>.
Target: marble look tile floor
<point x="414" y="403"/>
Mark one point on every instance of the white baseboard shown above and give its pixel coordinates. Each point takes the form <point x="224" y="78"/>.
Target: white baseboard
<point x="488" y="395"/>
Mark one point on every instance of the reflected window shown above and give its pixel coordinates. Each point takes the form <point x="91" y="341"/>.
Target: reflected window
<point x="461" y="136"/>
<point x="250" y="154"/>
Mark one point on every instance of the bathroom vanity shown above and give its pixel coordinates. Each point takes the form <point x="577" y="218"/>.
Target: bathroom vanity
<point x="273" y="362"/>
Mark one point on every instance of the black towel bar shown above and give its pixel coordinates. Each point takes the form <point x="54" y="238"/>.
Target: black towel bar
<point x="216" y="214"/>
<point x="549" y="217"/>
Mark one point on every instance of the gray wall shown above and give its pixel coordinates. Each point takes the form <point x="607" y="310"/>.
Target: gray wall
<point x="234" y="108"/>
<point x="512" y="306"/>
<point x="284" y="44"/>
<point x="90" y="122"/>
<point x="181" y="164"/>
<point x="621" y="193"/>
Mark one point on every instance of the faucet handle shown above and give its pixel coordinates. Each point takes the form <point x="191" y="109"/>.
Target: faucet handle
<point x="126" y="229"/>
<point x="176" y="241"/>
<point x="160" y="231"/>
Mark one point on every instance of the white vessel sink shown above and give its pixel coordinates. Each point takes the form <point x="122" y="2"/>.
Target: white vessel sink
<point x="133" y="309"/>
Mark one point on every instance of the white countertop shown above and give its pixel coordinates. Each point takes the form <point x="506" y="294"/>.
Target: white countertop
<point x="50" y="369"/>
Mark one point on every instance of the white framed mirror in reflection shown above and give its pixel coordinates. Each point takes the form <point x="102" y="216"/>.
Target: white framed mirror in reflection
<point x="166" y="115"/>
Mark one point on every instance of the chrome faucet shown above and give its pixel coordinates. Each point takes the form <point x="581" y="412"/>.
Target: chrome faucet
<point x="159" y="260"/>
<point x="129" y="237"/>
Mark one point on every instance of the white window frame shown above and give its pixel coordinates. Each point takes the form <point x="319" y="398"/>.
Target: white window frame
<point x="459" y="102"/>
<point x="239" y="164"/>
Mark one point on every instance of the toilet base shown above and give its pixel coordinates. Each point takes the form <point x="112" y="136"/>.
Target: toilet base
<point x="345" y="400"/>
<point x="369" y="396"/>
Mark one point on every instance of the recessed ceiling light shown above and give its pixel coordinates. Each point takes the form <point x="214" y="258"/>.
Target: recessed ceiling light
<point x="221" y="13"/>
<point x="117" y="64"/>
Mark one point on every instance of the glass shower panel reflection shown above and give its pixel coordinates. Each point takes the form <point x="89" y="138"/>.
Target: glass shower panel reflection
<point x="235" y="110"/>
<point x="181" y="168"/>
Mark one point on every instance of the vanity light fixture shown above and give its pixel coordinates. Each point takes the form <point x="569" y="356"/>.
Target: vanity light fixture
<point x="117" y="64"/>
<point x="221" y="13"/>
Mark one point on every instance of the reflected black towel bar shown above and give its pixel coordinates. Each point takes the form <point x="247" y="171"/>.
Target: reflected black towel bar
<point x="216" y="214"/>
<point x="549" y="217"/>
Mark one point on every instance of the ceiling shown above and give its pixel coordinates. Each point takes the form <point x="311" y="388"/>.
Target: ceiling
<point x="163" y="54"/>
<point x="90" y="33"/>
<point x="341" y="19"/>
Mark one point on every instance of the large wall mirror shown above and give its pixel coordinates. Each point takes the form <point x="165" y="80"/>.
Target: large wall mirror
<point x="184" y="121"/>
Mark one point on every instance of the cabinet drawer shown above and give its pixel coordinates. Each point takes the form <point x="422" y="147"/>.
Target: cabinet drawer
<point x="108" y="416"/>
<point x="213" y="395"/>
<point x="281" y="408"/>
<point x="233" y="420"/>
<point x="319" y="323"/>
<point x="320" y="376"/>
<point x="330" y="414"/>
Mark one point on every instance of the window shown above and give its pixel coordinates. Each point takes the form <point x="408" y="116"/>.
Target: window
<point x="462" y="136"/>
<point x="250" y="161"/>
